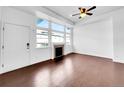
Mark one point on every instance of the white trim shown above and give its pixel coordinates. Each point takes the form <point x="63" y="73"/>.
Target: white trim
<point x="118" y="60"/>
<point x="93" y="55"/>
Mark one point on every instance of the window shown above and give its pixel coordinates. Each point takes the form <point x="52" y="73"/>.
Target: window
<point x="41" y="34"/>
<point x="42" y="23"/>
<point x="57" y="33"/>
<point x="57" y="27"/>
<point x="41" y="38"/>
<point x="68" y="36"/>
<point x="57" y="37"/>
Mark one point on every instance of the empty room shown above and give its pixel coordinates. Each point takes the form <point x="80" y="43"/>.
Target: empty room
<point x="61" y="46"/>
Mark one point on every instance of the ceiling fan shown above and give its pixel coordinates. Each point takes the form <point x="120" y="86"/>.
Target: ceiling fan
<point x="84" y="12"/>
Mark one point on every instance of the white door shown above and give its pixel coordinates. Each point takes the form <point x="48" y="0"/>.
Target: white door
<point x="16" y="47"/>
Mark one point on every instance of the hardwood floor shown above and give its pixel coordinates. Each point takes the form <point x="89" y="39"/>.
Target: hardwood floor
<point x="73" y="70"/>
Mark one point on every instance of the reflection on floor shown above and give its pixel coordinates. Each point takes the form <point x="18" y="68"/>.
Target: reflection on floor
<point x="72" y="70"/>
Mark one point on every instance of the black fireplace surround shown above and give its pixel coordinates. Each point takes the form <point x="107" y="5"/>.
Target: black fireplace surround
<point x="58" y="50"/>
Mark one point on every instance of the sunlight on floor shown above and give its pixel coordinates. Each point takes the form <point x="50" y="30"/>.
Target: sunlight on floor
<point x="54" y="76"/>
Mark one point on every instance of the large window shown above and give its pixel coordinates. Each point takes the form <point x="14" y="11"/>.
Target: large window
<point x="42" y="40"/>
<point x="68" y="36"/>
<point x="57" y="33"/>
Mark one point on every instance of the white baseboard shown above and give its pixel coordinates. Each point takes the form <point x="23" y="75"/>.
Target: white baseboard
<point x="118" y="60"/>
<point x="94" y="55"/>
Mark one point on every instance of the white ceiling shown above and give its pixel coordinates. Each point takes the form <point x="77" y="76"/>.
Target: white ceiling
<point x="67" y="11"/>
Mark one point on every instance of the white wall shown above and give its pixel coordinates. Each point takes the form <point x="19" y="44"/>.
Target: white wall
<point x="118" y="29"/>
<point x="0" y="12"/>
<point x="68" y="49"/>
<point x="117" y="24"/>
<point x="0" y="35"/>
<point x="94" y="39"/>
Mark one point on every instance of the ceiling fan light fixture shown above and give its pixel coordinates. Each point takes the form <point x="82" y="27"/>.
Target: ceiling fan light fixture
<point x="82" y="15"/>
<point x="83" y="12"/>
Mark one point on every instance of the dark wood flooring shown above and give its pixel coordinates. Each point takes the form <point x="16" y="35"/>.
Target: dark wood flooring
<point x="74" y="70"/>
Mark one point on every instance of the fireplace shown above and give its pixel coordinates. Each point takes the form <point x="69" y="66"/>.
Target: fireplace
<point x="58" y="51"/>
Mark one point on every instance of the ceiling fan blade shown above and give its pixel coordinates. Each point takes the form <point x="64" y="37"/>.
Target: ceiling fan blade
<point x="91" y="8"/>
<point x="89" y="14"/>
<point x="76" y="14"/>
<point x="79" y="8"/>
<point x="84" y="10"/>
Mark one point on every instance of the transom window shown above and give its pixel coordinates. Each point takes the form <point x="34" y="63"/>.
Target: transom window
<point x="57" y="27"/>
<point x="42" y="23"/>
